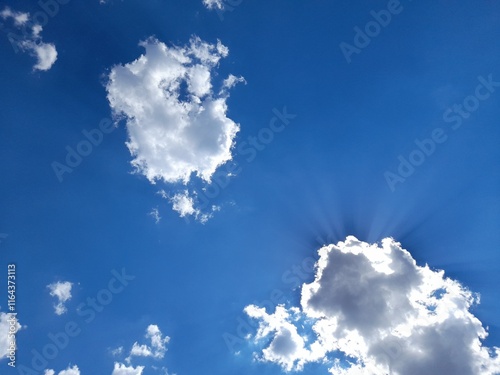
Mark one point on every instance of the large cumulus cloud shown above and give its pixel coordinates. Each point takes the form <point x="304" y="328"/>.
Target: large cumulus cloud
<point x="177" y="123"/>
<point x="373" y="310"/>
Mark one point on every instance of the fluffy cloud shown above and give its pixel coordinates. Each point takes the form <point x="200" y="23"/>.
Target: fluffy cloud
<point x="185" y="204"/>
<point x="380" y="310"/>
<point x="157" y="347"/>
<point x="62" y="291"/>
<point x="69" y="371"/>
<point x="287" y="345"/>
<point x="46" y="54"/>
<point x="5" y="325"/>
<point x="31" y="40"/>
<point x="176" y="125"/>
<point x="121" y="369"/>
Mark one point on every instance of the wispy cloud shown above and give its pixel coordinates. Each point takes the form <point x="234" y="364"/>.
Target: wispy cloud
<point x="30" y="41"/>
<point x="214" y="4"/>
<point x="155" y="214"/>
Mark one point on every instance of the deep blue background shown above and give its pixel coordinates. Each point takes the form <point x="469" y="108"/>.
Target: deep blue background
<point x="318" y="181"/>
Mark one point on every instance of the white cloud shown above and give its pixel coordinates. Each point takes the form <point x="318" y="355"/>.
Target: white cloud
<point x="69" y="371"/>
<point x="230" y="82"/>
<point x="116" y="352"/>
<point x="377" y="307"/>
<point x="121" y="369"/>
<point x="214" y="4"/>
<point x="185" y="204"/>
<point x="155" y="214"/>
<point x="45" y="53"/>
<point x="157" y="347"/>
<point x="177" y="126"/>
<point x="62" y="291"/>
<point x="5" y="330"/>
<point x="19" y="18"/>
<point x="287" y="346"/>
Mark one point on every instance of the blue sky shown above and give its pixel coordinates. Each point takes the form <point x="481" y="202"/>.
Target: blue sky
<point x="329" y="127"/>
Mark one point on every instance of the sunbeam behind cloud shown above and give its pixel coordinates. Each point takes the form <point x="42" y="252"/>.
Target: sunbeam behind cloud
<point x="375" y="305"/>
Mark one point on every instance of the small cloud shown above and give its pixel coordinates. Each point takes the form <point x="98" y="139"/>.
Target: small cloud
<point x="122" y="369"/>
<point x="230" y="82"/>
<point x="117" y="352"/>
<point x="214" y="4"/>
<point x="19" y="18"/>
<point x="155" y="214"/>
<point x="69" y="371"/>
<point x="62" y="291"/>
<point x="45" y="53"/>
<point x="157" y="347"/>
<point x="185" y="205"/>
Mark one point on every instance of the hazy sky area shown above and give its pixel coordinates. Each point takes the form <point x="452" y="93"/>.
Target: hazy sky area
<point x="249" y="187"/>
